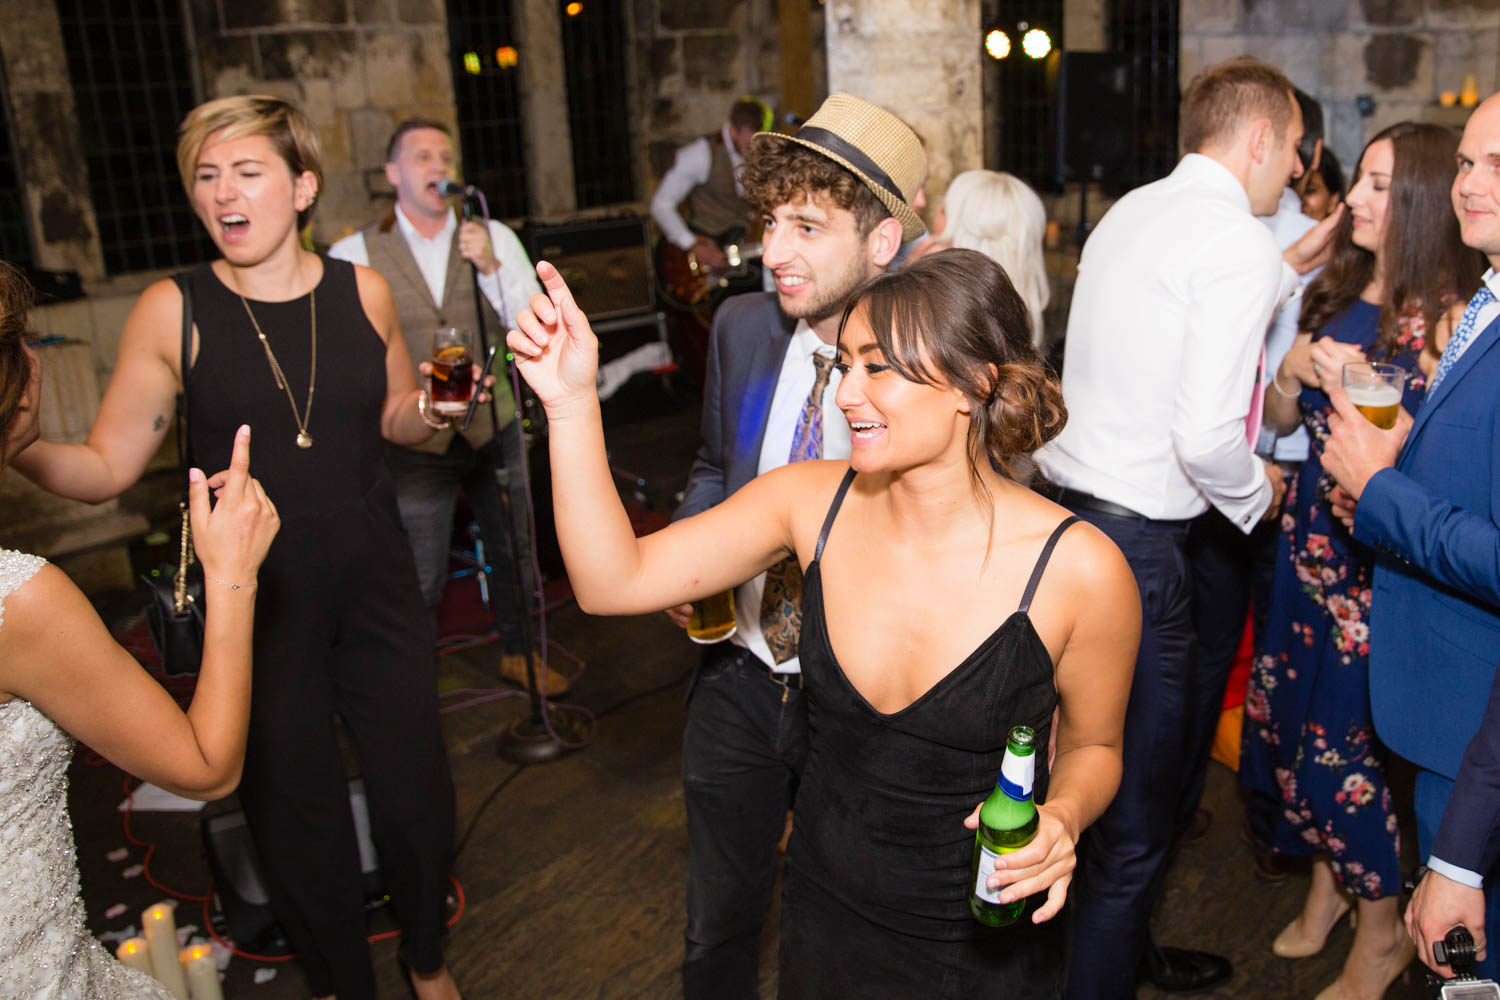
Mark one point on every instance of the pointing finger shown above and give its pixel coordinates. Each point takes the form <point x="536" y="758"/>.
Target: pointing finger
<point x="238" y="472"/>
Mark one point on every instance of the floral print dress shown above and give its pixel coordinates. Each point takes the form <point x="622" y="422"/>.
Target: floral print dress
<point x="1308" y="738"/>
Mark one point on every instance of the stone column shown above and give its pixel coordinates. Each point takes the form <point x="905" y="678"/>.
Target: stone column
<point x="45" y="121"/>
<point x="544" y="100"/>
<point x="918" y="59"/>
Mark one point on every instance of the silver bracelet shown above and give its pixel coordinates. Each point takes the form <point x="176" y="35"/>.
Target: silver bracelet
<point x="437" y="425"/>
<point x="226" y="583"/>
<point x="1276" y="384"/>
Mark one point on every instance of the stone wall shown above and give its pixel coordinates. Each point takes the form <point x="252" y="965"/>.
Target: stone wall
<point x="44" y="121"/>
<point x="919" y="59"/>
<point x="1400" y="53"/>
<point x="693" y="59"/>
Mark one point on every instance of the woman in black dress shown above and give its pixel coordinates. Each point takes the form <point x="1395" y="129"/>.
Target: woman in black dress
<point x="308" y="351"/>
<point x="929" y="626"/>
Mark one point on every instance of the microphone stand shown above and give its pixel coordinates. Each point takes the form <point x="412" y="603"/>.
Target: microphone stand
<point x="533" y="740"/>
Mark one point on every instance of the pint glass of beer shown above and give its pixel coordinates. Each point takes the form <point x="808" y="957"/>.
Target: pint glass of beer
<point x="1376" y="390"/>
<point x="452" y="382"/>
<point x="713" y="618"/>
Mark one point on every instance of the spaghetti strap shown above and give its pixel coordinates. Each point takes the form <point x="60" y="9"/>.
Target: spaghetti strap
<point x="833" y="510"/>
<point x="1041" y="563"/>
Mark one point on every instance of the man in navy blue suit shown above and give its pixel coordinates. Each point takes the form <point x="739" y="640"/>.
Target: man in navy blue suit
<point x="1428" y="501"/>
<point x="836" y="197"/>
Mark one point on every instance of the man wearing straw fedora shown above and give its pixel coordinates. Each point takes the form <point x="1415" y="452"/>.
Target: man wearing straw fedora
<point x="836" y="199"/>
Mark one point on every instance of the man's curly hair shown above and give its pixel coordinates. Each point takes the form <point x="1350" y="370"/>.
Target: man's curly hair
<point x="778" y="172"/>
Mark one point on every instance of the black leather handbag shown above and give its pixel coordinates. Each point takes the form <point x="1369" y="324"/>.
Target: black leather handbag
<point x="174" y="615"/>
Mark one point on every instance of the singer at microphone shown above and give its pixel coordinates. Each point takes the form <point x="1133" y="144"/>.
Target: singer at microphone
<point x="421" y="249"/>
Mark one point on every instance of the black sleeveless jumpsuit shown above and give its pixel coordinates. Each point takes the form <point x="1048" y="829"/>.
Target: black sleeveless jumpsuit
<point x="340" y="629"/>
<point x="875" y="896"/>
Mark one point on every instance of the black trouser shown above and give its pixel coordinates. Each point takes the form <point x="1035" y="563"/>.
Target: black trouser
<point x="1231" y="573"/>
<point x="745" y="741"/>
<point x="1125" y="851"/>
<point x="340" y="629"/>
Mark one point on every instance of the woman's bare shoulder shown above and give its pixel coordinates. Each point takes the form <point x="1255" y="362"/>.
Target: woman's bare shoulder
<point x="1085" y="558"/>
<point x="375" y="295"/>
<point x="46" y="602"/>
<point x="159" y="306"/>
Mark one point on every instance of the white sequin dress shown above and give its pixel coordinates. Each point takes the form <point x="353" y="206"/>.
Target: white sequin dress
<point x="46" y="951"/>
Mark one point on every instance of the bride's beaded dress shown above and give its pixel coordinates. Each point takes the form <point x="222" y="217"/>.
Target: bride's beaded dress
<point x="46" y="951"/>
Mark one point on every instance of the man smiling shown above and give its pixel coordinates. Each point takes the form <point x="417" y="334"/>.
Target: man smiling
<point x="836" y="199"/>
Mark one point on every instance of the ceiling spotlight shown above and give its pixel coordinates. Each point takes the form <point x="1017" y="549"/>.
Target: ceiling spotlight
<point x="997" y="44"/>
<point x="1036" y="43"/>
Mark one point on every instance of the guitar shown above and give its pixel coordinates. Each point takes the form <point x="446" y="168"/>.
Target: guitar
<point x="685" y="282"/>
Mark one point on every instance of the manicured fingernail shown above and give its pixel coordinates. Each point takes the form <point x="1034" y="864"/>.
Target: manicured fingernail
<point x="195" y="475"/>
<point x="245" y="429"/>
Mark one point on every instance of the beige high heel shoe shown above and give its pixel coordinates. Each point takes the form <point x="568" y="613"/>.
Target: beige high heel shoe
<point x="1293" y="942"/>
<point x="1396" y="967"/>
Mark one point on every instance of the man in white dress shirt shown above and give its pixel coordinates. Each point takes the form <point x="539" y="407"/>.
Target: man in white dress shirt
<point x="425" y="253"/>
<point x="1175" y="289"/>
<point x="1232" y="571"/>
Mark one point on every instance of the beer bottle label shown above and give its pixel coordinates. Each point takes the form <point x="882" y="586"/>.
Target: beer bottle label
<point x="987" y="856"/>
<point x="1016" y="775"/>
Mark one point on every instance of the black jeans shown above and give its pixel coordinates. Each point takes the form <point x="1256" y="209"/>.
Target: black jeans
<point x="745" y="742"/>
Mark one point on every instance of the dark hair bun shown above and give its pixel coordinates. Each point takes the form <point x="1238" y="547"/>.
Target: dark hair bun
<point x="1026" y="412"/>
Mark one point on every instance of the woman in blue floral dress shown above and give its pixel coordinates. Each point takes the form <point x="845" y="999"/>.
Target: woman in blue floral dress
<point x="1308" y="736"/>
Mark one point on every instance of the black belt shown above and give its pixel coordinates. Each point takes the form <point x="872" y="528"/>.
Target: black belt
<point x="739" y="655"/>
<point x="1079" y="500"/>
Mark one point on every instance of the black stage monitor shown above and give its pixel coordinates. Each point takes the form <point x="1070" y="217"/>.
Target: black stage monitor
<point x="1095" y="101"/>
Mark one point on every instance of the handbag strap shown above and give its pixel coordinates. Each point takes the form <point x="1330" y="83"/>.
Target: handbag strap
<point x="184" y="280"/>
<point x="184" y="444"/>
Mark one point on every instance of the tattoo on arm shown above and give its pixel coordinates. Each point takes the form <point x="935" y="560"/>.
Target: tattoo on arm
<point x="158" y="423"/>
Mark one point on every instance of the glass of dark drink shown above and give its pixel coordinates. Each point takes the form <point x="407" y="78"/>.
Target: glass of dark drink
<point x="452" y="382"/>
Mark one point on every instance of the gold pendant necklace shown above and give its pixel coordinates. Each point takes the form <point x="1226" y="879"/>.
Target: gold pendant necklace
<point x="304" y="439"/>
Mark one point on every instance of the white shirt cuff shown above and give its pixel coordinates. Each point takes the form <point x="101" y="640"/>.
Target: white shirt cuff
<point x="1291" y="284"/>
<point x="1462" y="876"/>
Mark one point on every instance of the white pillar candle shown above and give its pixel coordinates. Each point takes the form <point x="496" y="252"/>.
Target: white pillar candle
<point x="132" y="954"/>
<point x="202" y="973"/>
<point x="161" y="941"/>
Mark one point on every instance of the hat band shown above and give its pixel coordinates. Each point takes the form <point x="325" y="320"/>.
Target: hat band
<point x="856" y="157"/>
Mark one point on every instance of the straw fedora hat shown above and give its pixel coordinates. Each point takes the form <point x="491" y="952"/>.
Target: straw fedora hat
<point x="873" y="145"/>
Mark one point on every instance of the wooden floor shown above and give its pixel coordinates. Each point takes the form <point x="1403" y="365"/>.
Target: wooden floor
<point x="573" y="871"/>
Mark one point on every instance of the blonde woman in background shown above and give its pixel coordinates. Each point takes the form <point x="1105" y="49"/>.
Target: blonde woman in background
<point x="998" y="215"/>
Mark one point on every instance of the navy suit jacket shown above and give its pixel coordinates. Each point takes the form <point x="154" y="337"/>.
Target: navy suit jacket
<point x="1434" y="521"/>
<point x="1469" y="835"/>
<point x="748" y="343"/>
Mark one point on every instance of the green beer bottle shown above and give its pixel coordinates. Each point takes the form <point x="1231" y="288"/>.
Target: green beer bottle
<point x="1007" y="822"/>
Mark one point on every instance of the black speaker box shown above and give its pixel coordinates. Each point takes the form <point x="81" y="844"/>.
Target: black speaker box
<point x="235" y="867"/>
<point x="606" y="262"/>
<point x="1096" y="120"/>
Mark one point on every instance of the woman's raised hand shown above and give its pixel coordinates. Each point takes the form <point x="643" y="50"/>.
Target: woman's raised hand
<point x="232" y="536"/>
<point x="555" y="348"/>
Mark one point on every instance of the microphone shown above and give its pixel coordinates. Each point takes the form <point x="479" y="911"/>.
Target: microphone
<point x="450" y="188"/>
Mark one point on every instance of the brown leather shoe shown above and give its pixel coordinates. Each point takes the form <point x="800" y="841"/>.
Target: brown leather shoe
<point x="553" y="684"/>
